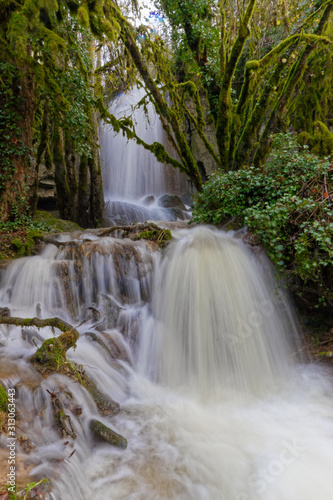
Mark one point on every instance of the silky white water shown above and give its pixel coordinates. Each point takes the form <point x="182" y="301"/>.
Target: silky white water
<point x="130" y="172"/>
<point x="216" y="402"/>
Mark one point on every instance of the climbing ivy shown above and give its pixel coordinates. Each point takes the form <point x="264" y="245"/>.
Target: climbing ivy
<point x="12" y="148"/>
<point x="288" y="205"/>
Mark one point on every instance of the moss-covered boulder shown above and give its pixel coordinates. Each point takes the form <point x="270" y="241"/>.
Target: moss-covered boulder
<point x="104" y="433"/>
<point x="56" y="225"/>
<point x="52" y="353"/>
<point x="305" y="139"/>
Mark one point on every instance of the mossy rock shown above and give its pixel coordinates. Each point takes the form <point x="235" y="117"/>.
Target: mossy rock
<point x="52" y="353"/>
<point x="57" y="225"/>
<point x="106" y="406"/>
<point x="160" y="236"/>
<point x="25" y="246"/>
<point x="51" y="358"/>
<point x="323" y="140"/>
<point x="104" y="433"/>
<point x="305" y="139"/>
<point x="3" y="400"/>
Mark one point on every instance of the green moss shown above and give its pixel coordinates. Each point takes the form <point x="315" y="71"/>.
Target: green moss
<point x="323" y="140"/>
<point x="83" y="16"/>
<point x="24" y="246"/>
<point x="161" y="236"/>
<point x="52" y="353"/>
<point x="3" y="399"/>
<point x="305" y="139"/>
<point x="56" y="225"/>
<point x="252" y="65"/>
<point x="104" y="433"/>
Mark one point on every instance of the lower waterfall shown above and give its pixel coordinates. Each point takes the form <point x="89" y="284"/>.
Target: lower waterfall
<point x="200" y="348"/>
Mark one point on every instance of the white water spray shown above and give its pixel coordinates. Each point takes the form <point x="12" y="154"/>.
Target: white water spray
<point x="218" y="320"/>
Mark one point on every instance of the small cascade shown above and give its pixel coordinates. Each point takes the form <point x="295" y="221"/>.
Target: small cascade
<point x="218" y="320"/>
<point x="133" y="179"/>
<point x="198" y="346"/>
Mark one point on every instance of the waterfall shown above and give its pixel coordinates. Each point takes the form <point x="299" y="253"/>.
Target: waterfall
<point x="218" y="318"/>
<point x="133" y="178"/>
<point x="199" y="347"/>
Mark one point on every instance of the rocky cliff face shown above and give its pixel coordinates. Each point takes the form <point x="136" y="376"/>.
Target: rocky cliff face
<point x="47" y="194"/>
<point x="205" y="162"/>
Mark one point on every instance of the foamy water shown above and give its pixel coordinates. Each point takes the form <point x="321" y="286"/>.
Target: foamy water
<point x="215" y="403"/>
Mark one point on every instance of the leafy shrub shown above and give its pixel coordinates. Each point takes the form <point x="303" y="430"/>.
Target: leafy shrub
<point x="288" y="204"/>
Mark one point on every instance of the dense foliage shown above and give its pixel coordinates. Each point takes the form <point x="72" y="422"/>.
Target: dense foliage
<point x="47" y="98"/>
<point x="252" y="59"/>
<point x="288" y="205"/>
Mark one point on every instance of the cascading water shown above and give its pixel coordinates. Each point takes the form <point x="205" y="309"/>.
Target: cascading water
<point x="198" y="347"/>
<point x="216" y="323"/>
<point x="133" y="179"/>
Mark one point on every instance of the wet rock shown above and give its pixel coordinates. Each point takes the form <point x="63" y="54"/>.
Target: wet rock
<point x="111" y="310"/>
<point x="106" y="406"/>
<point x="104" y="433"/>
<point x="25" y="444"/>
<point x="171" y="201"/>
<point x="187" y="199"/>
<point x="178" y="213"/>
<point x="4" y="312"/>
<point x="116" y="351"/>
<point x="149" y="200"/>
<point x="110" y="345"/>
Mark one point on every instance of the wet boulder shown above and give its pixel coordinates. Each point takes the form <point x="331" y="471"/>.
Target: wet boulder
<point x="171" y="201"/>
<point x="104" y="433"/>
<point x="149" y="200"/>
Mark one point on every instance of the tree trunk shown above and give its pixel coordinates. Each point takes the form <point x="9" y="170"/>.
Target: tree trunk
<point x="17" y="168"/>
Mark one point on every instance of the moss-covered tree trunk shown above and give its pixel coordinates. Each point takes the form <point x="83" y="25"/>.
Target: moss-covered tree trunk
<point x="281" y="108"/>
<point x="71" y="159"/>
<point x="83" y="206"/>
<point x="228" y="68"/>
<point x="96" y="182"/>
<point x="161" y="106"/>
<point x="64" y="199"/>
<point x="17" y="178"/>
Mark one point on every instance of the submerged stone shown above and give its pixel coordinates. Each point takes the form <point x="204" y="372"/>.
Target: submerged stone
<point x="104" y="433"/>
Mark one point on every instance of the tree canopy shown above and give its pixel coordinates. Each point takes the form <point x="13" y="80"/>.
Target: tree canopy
<point x="245" y="68"/>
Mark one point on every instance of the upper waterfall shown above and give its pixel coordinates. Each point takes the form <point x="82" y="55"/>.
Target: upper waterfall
<point x="131" y="173"/>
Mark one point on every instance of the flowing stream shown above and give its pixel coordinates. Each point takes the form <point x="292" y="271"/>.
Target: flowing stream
<point x="198" y="346"/>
